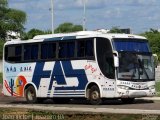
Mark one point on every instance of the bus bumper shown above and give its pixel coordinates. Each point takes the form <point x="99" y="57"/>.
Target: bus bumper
<point x="135" y="93"/>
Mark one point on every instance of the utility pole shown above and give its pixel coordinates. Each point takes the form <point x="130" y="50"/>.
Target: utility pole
<point x="52" y="14"/>
<point x="84" y="15"/>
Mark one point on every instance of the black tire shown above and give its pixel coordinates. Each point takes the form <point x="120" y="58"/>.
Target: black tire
<point x="31" y="95"/>
<point x="94" y="95"/>
<point x="127" y="100"/>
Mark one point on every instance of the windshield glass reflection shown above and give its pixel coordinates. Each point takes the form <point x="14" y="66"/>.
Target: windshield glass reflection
<point x="133" y="66"/>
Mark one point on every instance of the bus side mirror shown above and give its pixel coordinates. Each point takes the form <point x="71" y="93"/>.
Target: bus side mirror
<point x="116" y="61"/>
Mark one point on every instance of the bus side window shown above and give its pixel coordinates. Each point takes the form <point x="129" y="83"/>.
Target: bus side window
<point x="62" y="50"/>
<point x="48" y="51"/>
<point x="34" y="52"/>
<point x="81" y="49"/>
<point x="66" y="49"/>
<point x="89" y="48"/>
<point x="27" y="52"/>
<point x="6" y="53"/>
<point x="18" y="53"/>
<point x="70" y="49"/>
<point x="85" y="48"/>
<point x="51" y="50"/>
<point x="44" y="51"/>
<point x="105" y="57"/>
<point x="108" y="66"/>
<point x="13" y="53"/>
<point x="30" y="52"/>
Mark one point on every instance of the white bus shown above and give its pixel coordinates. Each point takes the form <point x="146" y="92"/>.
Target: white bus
<point x="92" y="65"/>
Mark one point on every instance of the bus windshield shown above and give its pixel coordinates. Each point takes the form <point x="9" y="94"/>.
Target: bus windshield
<point x="134" y="66"/>
<point x="135" y="60"/>
<point x="131" y="45"/>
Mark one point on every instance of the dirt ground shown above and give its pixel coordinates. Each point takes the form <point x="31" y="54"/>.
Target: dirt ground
<point x="27" y="114"/>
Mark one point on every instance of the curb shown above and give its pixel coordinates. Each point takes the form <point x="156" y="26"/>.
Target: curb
<point x="150" y="98"/>
<point x="95" y="110"/>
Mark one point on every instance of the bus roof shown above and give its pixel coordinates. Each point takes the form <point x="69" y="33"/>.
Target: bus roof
<point x="81" y="34"/>
<point x="87" y="34"/>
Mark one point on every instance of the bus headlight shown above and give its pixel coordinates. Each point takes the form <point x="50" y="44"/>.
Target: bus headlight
<point x="123" y="87"/>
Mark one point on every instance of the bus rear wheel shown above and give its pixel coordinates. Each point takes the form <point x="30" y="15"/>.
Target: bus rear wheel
<point x="31" y="95"/>
<point x="94" y="95"/>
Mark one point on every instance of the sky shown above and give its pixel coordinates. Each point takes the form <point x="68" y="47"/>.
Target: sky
<point x="138" y="15"/>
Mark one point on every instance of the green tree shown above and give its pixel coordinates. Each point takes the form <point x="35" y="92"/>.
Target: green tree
<point x="153" y="30"/>
<point x="48" y="32"/>
<point x="1" y="48"/>
<point x="154" y="39"/>
<point x="115" y="30"/>
<point x="68" y="27"/>
<point x="33" y="32"/>
<point x="10" y="19"/>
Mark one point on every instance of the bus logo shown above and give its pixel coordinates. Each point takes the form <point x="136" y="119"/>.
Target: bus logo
<point x="57" y="75"/>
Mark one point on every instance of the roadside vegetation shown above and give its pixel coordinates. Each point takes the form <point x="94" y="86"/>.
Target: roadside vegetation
<point x="158" y="89"/>
<point x="1" y="79"/>
<point x="37" y="115"/>
<point x="153" y="36"/>
<point x="1" y="48"/>
<point x="62" y="28"/>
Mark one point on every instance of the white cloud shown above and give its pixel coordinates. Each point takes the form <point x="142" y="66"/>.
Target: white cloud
<point x="137" y="14"/>
<point x="91" y="3"/>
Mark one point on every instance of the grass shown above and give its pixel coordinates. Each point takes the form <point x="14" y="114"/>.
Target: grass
<point x="1" y="79"/>
<point x="37" y="115"/>
<point x="158" y="88"/>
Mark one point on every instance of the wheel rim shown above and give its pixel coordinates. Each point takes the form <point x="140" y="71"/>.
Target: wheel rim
<point x="30" y="95"/>
<point x="95" y="95"/>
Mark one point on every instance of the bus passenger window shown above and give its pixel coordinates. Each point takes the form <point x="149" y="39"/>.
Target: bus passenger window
<point x="34" y="52"/>
<point x="70" y="49"/>
<point x="30" y="52"/>
<point x="81" y="49"/>
<point x="85" y="48"/>
<point x="13" y="54"/>
<point x="48" y="51"/>
<point x="105" y="57"/>
<point x="44" y="51"/>
<point x="62" y="50"/>
<point x="18" y="53"/>
<point x="51" y="50"/>
<point x="6" y="53"/>
<point x="66" y="49"/>
<point x="89" y="48"/>
<point x="108" y="66"/>
<point x="27" y="52"/>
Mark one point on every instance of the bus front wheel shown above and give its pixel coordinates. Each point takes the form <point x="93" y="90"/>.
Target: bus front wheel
<point x="31" y="95"/>
<point x="94" y="96"/>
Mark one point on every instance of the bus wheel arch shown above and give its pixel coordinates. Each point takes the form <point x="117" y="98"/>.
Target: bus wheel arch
<point x="93" y="94"/>
<point x="30" y="93"/>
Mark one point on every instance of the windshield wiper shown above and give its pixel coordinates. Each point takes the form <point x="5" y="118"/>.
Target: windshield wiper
<point x="142" y="66"/>
<point x="133" y="75"/>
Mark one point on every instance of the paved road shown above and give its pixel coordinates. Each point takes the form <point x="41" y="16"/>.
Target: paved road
<point x="140" y="106"/>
